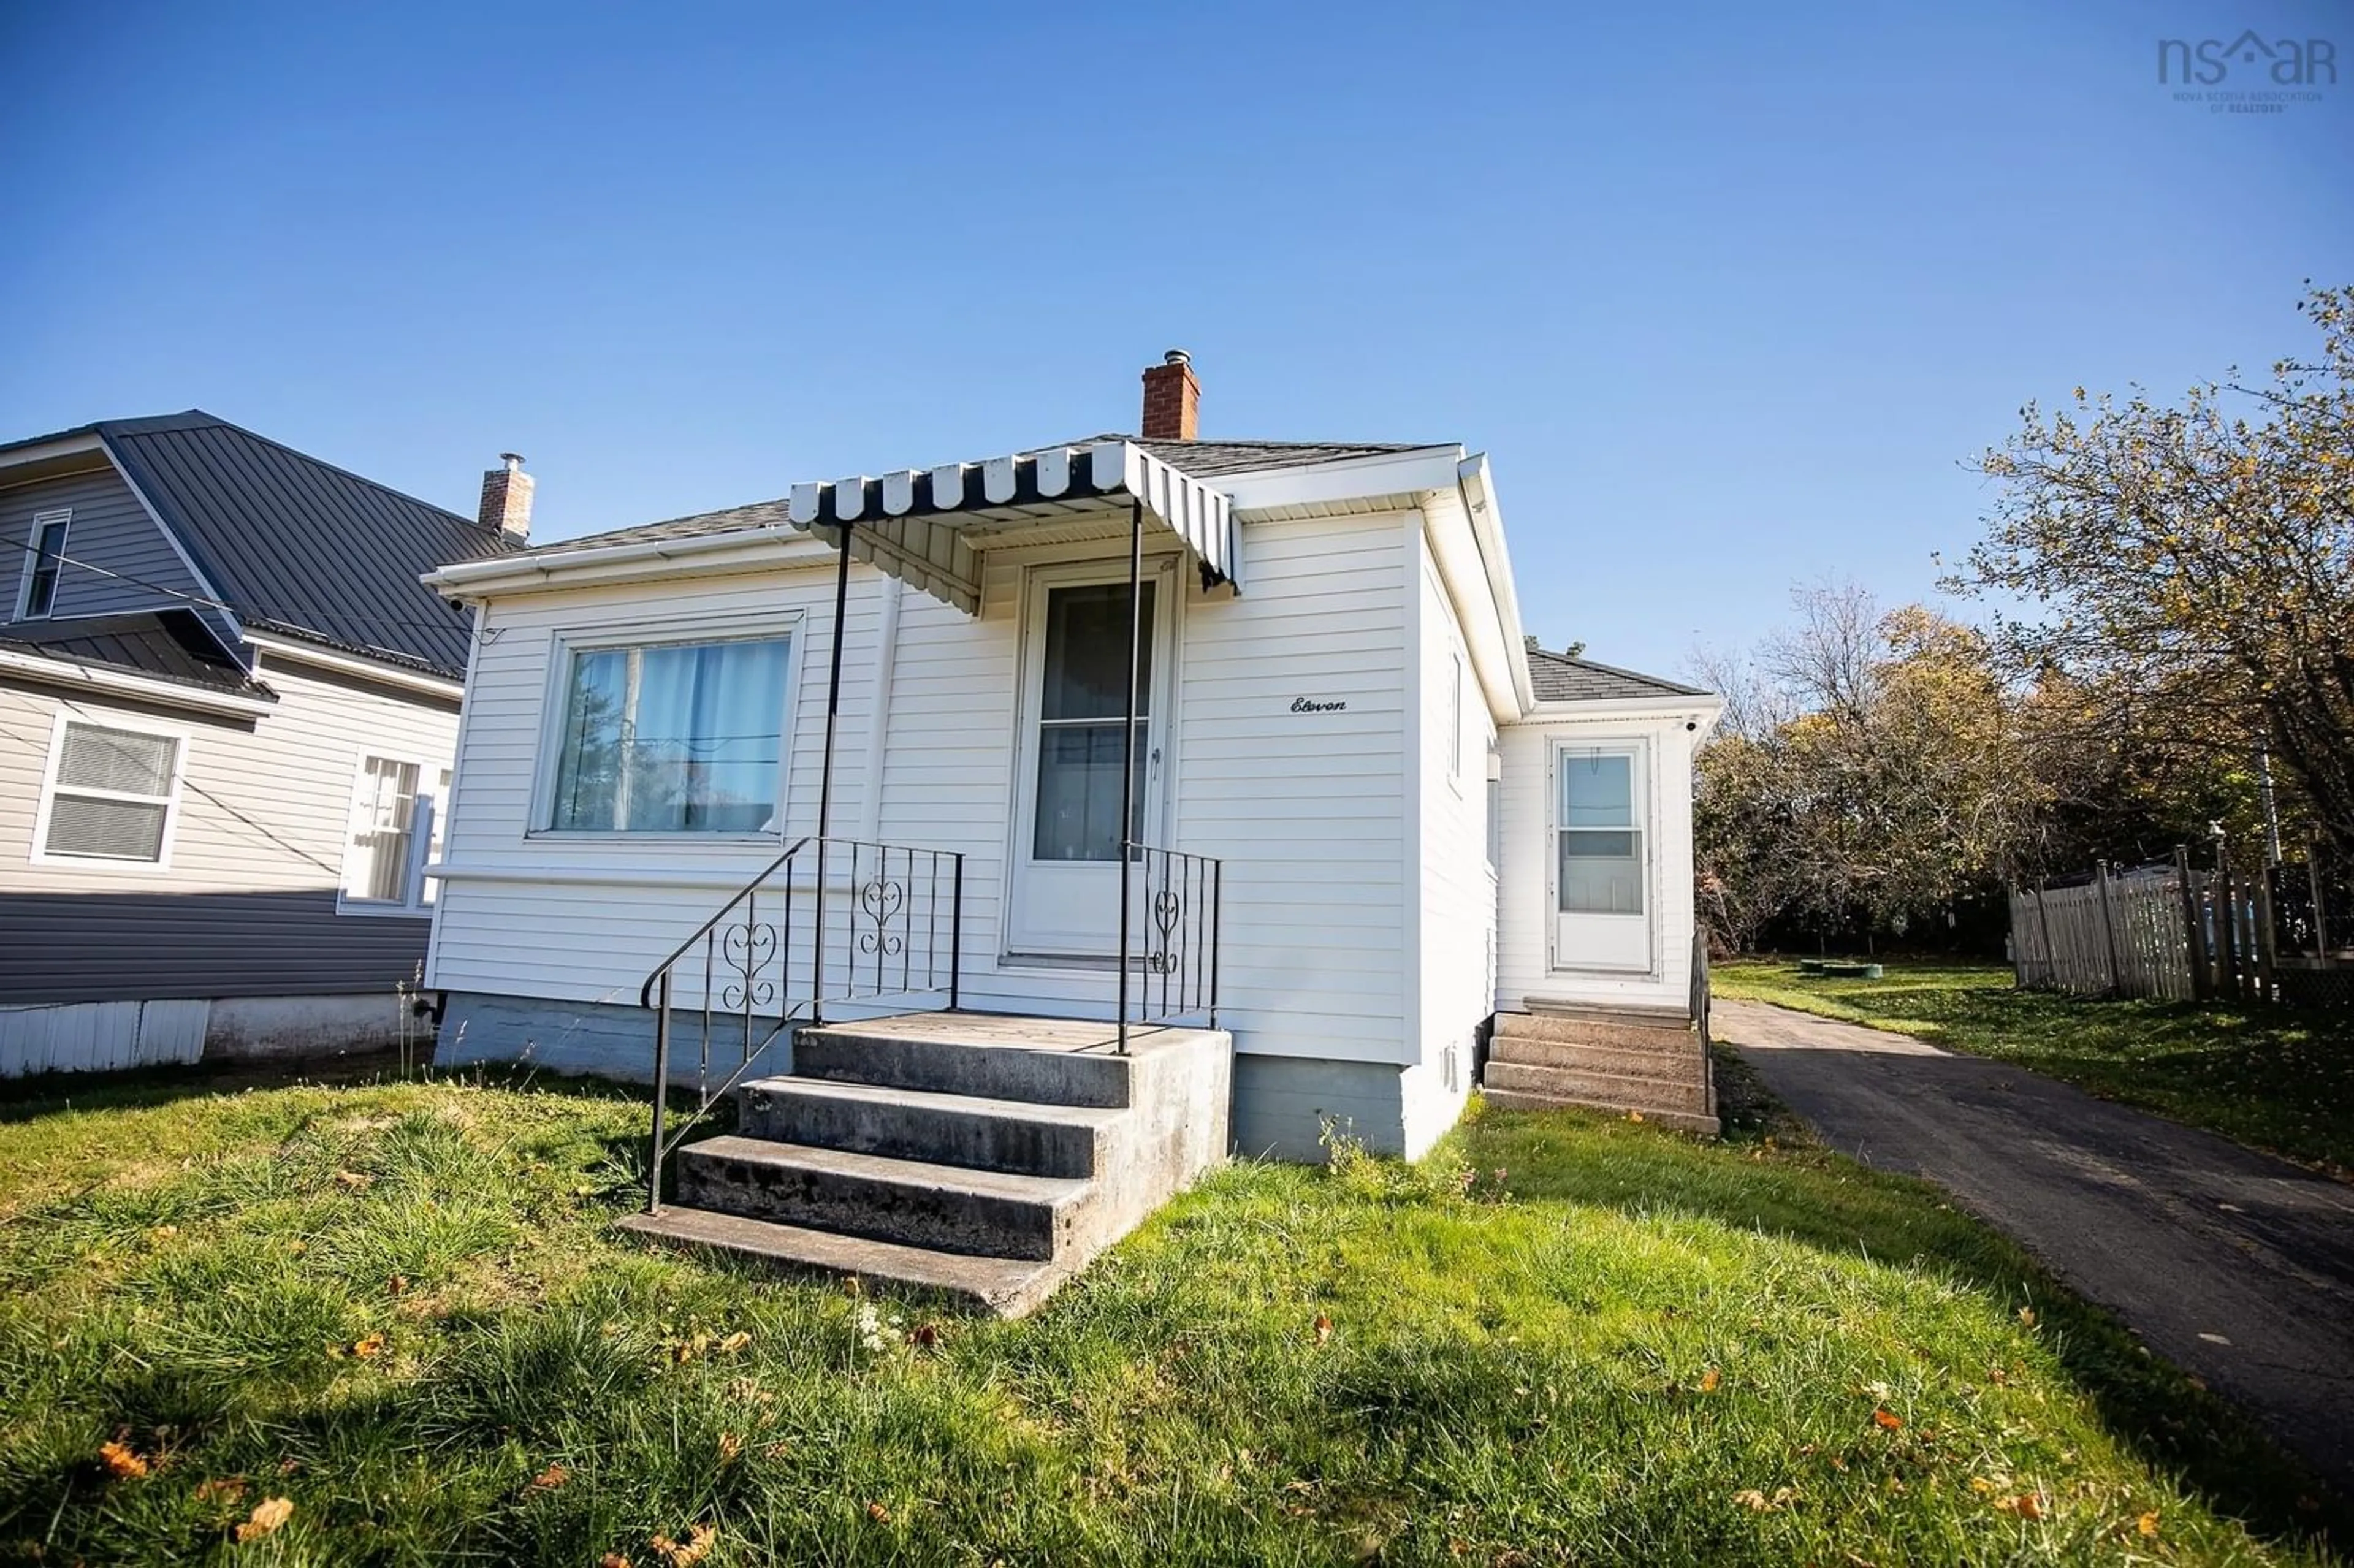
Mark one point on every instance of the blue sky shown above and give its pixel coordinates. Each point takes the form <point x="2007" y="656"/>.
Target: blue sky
<point x="1727" y="294"/>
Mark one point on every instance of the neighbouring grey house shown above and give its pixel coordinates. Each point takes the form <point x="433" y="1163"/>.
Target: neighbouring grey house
<point x="227" y="714"/>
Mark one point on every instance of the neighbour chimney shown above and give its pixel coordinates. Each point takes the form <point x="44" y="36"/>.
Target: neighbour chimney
<point x="506" y="498"/>
<point x="1172" y="399"/>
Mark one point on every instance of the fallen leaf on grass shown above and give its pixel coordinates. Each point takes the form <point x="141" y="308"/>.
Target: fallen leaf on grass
<point x="372" y="1345"/>
<point x="354" y="1181"/>
<point x="1634" y="1116"/>
<point x="164" y="1232"/>
<point x="730" y="1446"/>
<point x="397" y="1284"/>
<point x="878" y="1513"/>
<point x="1710" y="1380"/>
<point x="735" y="1341"/>
<point x="2147" y="1525"/>
<point x="2027" y="1316"/>
<point x="612" y="1560"/>
<point x="686" y="1553"/>
<point x="120" y="1461"/>
<point x="2026" y="1505"/>
<point x="1322" y="1328"/>
<point x="548" y="1479"/>
<point x="1887" y="1419"/>
<point x="228" y="1488"/>
<point x="924" y="1336"/>
<point x="266" y="1518"/>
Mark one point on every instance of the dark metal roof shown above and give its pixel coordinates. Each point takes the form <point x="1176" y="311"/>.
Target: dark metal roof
<point x="168" y="645"/>
<point x="1201" y="460"/>
<point x="301" y="547"/>
<point x="1558" y="678"/>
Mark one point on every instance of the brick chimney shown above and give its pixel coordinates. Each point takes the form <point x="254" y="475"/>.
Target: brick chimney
<point x="506" y="498"/>
<point x="1172" y="399"/>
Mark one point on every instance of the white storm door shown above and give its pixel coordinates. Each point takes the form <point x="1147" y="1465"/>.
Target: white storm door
<point x="1602" y="846"/>
<point x="1064" y="899"/>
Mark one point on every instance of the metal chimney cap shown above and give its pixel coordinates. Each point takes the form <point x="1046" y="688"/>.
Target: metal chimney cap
<point x="1176" y="356"/>
<point x="512" y="460"/>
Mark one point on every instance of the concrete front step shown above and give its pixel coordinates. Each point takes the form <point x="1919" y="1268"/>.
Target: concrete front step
<point x="1646" y="1095"/>
<point x="1017" y="1136"/>
<point x="1008" y="1286"/>
<point x="1597" y="1029"/>
<point x="1042" y="1061"/>
<point x="1680" y="1121"/>
<point x="1680" y="1063"/>
<point x="917" y="1203"/>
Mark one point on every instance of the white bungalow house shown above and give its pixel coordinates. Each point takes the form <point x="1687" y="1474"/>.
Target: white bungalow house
<point x="1365" y="817"/>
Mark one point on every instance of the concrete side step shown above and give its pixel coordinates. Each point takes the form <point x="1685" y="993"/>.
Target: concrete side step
<point x="1680" y="1063"/>
<point x="1644" y="1095"/>
<point x="1679" y="1121"/>
<point x="947" y="1129"/>
<point x="1634" y="1034"/>
<point x="984" y="1068"/>
<point x="1008" y="1286"/>
<point x="946" y="1208"/>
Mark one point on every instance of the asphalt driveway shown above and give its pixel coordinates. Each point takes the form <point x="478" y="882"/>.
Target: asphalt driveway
<point x="2236" y="1266"/>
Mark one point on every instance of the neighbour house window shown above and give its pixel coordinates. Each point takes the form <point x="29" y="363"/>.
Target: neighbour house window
<point x="673" y="737"/>
<point x="1601" y="844"/>
<point x="110" y="794"/>
<point x="438" y="806"/>
<point x="45" y="555"/>
<point x="378" y="861"/>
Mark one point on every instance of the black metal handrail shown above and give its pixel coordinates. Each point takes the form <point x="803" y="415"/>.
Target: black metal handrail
<point x="886" y="922"/>
<point x="1180" y="898"/>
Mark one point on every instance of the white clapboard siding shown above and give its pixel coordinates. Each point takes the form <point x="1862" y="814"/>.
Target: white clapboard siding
<point x="1307" y="811"/>
<point x="1457" y="892"/>
<point x="100" y="1036"/>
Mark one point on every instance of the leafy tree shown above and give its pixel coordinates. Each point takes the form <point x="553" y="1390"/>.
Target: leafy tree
<point x="2187" y="573"/>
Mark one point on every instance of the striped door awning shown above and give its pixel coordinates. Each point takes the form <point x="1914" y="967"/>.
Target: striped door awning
<point x="929" y="526"/>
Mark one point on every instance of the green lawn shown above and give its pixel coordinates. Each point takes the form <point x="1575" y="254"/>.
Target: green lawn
<point x="2270" y="1077"/>
<point x="400" y="1308"/>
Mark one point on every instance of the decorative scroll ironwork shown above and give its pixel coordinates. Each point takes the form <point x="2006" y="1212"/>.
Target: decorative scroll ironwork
<point x="1180" y="894"/>
<point x="776" y="953"/>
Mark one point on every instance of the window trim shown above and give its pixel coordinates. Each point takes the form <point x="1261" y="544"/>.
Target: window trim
<point x="61" y="519"/>
<point x="416" y="905"/>
<point x="743" y="626"/>
<point x="181" y="739"/>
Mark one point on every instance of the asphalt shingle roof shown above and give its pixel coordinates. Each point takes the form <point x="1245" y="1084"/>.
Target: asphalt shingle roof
<point x="1558" y="678"/>
<point x="169" y="645"/>
<point x="1203" y="459"/>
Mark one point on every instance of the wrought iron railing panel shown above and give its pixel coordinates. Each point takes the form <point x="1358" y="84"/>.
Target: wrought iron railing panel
<point x="1175" y="959"/>
<point x="829" y="920"/>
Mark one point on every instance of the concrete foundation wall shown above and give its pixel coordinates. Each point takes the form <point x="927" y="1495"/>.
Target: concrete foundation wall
<point x="1279" y="1102"/>
<point x="294" y="1027"/>
<point x="1282" y="1102"/>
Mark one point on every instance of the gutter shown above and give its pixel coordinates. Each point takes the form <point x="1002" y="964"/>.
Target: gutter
<point x="467" y="579"/>
<point x="327" y="659"/>
<point x="1479" y="494"/>
<point x="100" y="678"/>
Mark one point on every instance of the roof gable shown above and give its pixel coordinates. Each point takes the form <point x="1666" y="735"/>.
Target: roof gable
<point x="301" y="547"/>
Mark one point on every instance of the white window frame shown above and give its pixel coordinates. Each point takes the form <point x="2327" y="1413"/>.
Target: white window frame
<point x="180" y="739"/>
<point x="749" y="626"/>
<point x="425" y="819"/>
<point x="61" y="518"/>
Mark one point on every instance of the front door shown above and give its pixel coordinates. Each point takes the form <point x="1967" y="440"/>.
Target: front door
<point x="1601" y="858"/>
<point x="1064" y="898"/>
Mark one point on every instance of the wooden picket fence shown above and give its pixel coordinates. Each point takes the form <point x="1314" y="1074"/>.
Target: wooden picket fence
<point x="2169" y="932"/>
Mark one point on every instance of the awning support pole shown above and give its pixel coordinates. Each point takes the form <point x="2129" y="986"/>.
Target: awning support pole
<point x="825" y="781"/>
<point x="1128" y="844"/>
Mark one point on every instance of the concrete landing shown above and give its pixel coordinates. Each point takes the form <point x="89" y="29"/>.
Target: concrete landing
<point x="984" y="1154"/>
